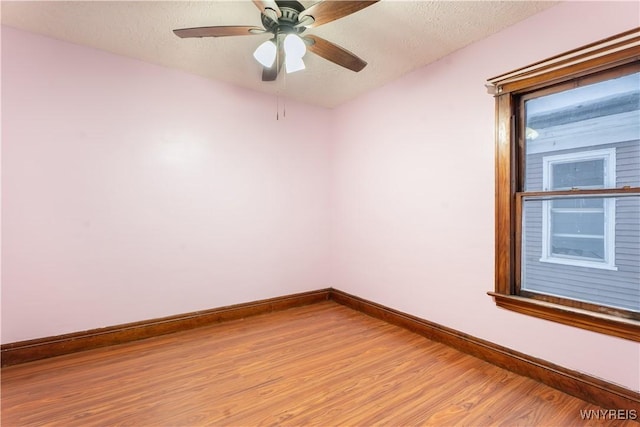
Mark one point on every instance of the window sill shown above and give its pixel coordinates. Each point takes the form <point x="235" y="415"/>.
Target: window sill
<point x="579" y="263"/>
<point x="597" y="322"/>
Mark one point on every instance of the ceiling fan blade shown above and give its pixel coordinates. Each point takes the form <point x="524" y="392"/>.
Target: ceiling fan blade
<point x="329" y="10"/>
<point x="221" y="31"/>
<point x="335" y="53"/>
<point x="268" y="4"/>
<point x="271" y="74"/>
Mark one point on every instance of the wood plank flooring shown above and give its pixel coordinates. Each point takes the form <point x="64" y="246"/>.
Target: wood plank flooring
<point x="322" y="364"/>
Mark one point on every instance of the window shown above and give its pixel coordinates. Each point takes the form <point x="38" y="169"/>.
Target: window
<point x="579" y="232"/>
<point x="568" y="188"/>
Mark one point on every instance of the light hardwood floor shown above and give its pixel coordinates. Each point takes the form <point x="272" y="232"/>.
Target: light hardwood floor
<point x="322" y="364"/>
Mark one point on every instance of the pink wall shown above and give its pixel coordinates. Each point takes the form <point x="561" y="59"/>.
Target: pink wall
<point x="413" y="193"/>
<point x="131" y="191"/>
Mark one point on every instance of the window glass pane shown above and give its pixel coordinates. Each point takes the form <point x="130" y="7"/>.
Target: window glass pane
<point x="578" y="247"/>
<point x="566" y="258"/>
<point x="588" y="173"/>
<point x="579" y="121"/>
<point x="585" y="203"/>
<point x="579" y="224"/>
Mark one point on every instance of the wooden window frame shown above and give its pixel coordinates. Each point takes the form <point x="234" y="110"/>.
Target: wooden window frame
<point x="602" y="58"/>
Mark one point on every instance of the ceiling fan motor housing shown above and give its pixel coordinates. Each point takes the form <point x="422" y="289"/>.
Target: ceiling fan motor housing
<point x="286" y="23"/>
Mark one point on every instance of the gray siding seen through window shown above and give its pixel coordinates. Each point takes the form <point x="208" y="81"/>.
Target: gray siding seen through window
<point x="607" y="123"/>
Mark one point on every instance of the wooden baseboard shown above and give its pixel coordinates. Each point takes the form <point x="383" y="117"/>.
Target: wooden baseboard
<point x="590" y="389"/>
<point x="41" y="348"/>
<point x="585" y="387"/>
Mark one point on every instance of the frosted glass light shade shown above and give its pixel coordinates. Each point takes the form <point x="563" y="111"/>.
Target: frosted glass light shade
<point x="266" y="53"/>
<point x="294" y="46"/>
<point x="293" y="64"/>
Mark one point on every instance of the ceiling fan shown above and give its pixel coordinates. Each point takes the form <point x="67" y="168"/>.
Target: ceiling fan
<point x="287" y="20"/>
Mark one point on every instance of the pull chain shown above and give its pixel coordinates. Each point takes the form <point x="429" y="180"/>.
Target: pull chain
<point x="279" y="64"/>
<point x="284" y="100"/>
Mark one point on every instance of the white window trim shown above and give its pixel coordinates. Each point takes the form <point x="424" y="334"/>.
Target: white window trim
<point x="609" y="157"/>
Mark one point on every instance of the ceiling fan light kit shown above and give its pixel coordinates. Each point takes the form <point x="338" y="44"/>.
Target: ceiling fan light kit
<point x="287" y="20"/>
<point x="293" y="64"/>
<point x="294" y="46"/>
<point x="265" y="54"/>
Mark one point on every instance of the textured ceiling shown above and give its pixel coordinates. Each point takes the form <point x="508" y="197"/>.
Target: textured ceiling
<point x="393" y="36"/>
